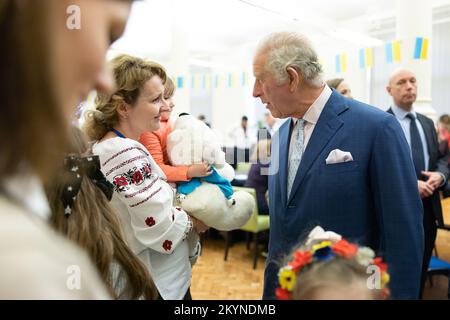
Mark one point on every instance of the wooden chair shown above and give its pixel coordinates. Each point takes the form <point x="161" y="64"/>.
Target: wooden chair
<point x="255" y="225"/>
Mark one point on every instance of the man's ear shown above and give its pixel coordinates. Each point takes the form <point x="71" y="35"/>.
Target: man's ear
<point x="294" y="79"/>
<point x="388" y="89"/>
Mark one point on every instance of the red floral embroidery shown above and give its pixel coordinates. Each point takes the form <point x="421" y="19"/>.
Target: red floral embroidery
<point x="147" y="169"/>
<point x="137" y="177"/>
<point x="167" y="245"/>
<point x="121" y="181"/>
<point x="178" y="208"/>
<point x="150" y="221"/>
<point x="283" y="294"/>
<point x="345" y="249"/>
<point x="301" y="259"/>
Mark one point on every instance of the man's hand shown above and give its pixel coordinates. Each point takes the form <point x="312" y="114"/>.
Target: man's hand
<point x="425" y="190"/>
<point x="434" y="179"/>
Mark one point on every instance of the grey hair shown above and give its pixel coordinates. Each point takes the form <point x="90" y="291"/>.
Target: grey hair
<point x="290" y="49"/>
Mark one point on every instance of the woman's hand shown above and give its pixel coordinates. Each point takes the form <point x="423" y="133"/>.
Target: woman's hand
<point x="199" y="170"/>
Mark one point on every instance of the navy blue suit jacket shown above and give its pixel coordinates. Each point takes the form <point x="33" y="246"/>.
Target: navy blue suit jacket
<point x="373" y="200"/>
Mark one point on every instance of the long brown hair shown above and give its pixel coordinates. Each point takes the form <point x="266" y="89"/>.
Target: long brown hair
<point x="30" y="112"/>
<point x="96" y="227"/>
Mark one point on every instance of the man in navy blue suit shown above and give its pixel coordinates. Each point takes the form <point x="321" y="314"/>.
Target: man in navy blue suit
<point x="337" y="163"/>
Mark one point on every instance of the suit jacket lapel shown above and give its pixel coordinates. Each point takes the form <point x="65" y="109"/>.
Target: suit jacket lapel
<point x="325" y="128"/>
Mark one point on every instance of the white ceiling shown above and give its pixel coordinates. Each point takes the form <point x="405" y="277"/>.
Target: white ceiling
<point x="213" y="26"/>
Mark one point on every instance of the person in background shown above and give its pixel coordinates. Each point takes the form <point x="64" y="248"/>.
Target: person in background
<point x="443" y="130"/>
<point x="258" y="174"/>
<point x="341" y="86"/>
<point x="336" y="162"/>
<point x="431" y="167"/>
<point x="156" y="144"/>
<point x="39" y="94"/>
<point x="79" y="198"/>
<point x="271" y="125"/>
<point x="155" y="230"/>
<point x="240" y="142"/>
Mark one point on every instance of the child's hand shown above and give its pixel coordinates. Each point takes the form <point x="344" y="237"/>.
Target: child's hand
<point x="199" y="170"/>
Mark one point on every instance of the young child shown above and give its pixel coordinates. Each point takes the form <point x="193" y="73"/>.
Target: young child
<point x="79" y="198"/>
<point x="328" y="267"/>
<point x="156" y="144"/>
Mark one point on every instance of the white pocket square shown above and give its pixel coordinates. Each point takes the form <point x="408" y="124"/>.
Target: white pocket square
<point x="338" y="156"/>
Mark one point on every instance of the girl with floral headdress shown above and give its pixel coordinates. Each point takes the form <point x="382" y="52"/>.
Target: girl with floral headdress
<point x="328" y="267"/>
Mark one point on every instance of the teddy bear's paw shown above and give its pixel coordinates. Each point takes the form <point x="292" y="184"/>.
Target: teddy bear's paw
<point x="231" y="202"/>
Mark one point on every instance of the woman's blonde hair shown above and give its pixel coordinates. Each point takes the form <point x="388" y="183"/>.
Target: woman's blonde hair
<point x="32" y="118"/>
<point x="261" y="153"/>
<point x="130" y="74"/>
<point x="96" y="227"/>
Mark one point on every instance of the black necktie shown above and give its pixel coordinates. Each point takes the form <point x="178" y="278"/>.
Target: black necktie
<point x="416" y="146"/>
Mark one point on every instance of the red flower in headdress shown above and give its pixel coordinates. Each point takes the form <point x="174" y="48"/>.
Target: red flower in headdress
<point x="345" y="249"/>
<point x="283" y="294"/>
<point x="300" y="260"/>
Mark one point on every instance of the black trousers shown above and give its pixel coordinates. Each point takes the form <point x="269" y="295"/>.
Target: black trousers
<point x="430" y="232"/>
<point x="187" y="296"/>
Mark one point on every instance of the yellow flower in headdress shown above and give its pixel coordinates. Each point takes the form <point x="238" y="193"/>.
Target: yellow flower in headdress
<point x="321" y="245"/>
<point x="385" y="279"/>
<point x="287" y="278"/>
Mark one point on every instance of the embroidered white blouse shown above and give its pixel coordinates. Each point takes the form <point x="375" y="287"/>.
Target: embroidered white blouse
<point x="155" y="230"/>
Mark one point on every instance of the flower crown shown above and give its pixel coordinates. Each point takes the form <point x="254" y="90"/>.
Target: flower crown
<point x="324" y="251"/>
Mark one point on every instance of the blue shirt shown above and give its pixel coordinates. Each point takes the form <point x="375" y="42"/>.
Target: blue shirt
<point x="404" y="121"/>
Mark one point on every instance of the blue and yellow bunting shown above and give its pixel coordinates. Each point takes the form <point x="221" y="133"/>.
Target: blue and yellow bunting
<point x="365" y="58"/>
<point x="393" y="51"/>
<point x="341" y="63"/>
<point x="421" y="48"/>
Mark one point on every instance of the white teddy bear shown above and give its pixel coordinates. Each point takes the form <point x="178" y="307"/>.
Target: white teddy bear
<point x="209" y="199"/>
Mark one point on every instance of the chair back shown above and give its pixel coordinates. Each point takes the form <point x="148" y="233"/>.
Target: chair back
<point x="445" y="214"/>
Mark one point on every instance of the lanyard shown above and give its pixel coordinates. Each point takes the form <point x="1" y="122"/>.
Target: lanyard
<point x="117" y="132"/>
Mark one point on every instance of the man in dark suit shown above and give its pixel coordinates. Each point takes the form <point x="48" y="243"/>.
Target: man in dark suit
<point x="337" y="163"/>
<point x="430" y="165"/>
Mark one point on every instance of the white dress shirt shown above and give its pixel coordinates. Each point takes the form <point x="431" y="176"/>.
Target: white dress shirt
<point x="311" y="117"/>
